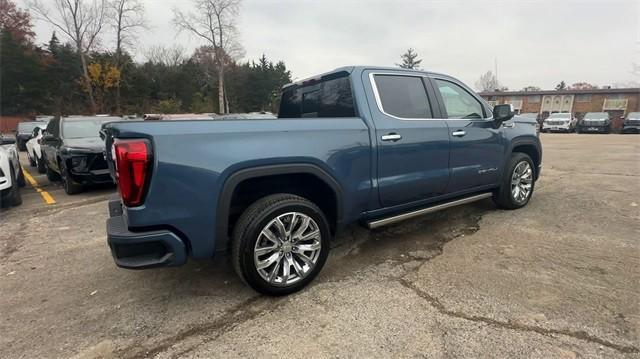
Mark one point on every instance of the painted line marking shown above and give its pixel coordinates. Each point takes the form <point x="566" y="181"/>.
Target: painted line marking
<point x="46" y="197"/>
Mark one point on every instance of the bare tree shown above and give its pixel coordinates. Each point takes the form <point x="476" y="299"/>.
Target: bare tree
<point x="79" y="20"/>
<point x="215" y="22"/>
<point x="488" y="82"/>
<point x="168" y="56"/>
<point x="128" y="17"/>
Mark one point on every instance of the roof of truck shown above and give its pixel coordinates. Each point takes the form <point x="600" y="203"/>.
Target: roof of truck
<point x="350" y="69"/>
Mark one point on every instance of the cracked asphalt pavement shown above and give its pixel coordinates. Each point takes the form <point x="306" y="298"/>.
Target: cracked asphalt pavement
<point x="559" y="278"/>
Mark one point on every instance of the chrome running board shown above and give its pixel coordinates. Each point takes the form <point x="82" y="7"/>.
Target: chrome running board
<point x="401" y="217"/>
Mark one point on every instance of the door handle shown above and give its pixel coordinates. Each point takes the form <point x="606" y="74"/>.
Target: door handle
<point x="391" y="137"/>
<point x="458" y="133"/>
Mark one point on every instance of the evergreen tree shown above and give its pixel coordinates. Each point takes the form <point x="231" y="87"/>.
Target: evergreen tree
<point x="410" y="60"/>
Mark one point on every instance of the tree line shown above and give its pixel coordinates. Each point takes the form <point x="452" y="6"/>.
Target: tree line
<point x="71" y="74"/>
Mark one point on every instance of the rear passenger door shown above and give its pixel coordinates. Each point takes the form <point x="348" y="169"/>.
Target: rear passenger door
<point x="476" y="146"/>
<point x="412" y="146"/>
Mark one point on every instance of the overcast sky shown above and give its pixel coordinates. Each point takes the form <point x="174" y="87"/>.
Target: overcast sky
<point x="536" y="42"/>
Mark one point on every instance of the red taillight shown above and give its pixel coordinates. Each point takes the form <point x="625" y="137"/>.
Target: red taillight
<point x="133" y="168"/>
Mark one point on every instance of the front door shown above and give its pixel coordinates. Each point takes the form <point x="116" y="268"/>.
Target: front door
<point x="412" y="146"/>
<point x="477" y="148"/>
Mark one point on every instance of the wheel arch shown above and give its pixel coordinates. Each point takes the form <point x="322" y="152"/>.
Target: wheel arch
<point x="235" y="180"/>
<point x="530" y="147"/>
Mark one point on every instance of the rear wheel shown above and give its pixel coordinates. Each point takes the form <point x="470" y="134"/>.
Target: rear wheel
<point x="280" y="243"/>
<point x="517" y="183"/>
<point x="40" y="165"/>
<point x="32" y="161"/>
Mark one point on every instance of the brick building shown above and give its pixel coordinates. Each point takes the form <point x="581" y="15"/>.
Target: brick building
<point x="617" y="102"/>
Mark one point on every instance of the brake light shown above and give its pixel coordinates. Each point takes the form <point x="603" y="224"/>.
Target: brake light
<point x="133" y="168"/>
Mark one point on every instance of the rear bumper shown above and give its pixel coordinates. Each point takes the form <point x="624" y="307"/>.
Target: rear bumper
<point x="631" y="129"/>
<point x="141" y="250"/>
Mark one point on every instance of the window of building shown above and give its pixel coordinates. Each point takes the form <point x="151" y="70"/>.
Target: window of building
<point x="326" y="98"/>
<point x="583" y="98"/>
<point x="533" y="99"/>
<point x="458" y="102"/>
<point x="403" y="96"/>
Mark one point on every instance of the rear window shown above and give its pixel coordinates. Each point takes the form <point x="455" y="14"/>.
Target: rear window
<point x="27" y="127"/>
<point x="86" y="127"/>
<point x="325" y="98"/>
<point x="596" y="115"/>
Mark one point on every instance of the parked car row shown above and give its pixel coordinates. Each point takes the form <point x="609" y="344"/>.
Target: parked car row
<point x="592" y="122"/>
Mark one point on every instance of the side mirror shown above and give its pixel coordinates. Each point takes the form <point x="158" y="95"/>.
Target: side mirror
<point x="48" y="138"/>
<point x="502" y="113"/>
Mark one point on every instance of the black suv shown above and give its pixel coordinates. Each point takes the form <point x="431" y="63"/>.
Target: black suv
<point x="73" y="151"/>
<point x="631" y="123"/>
<point x="599" y="122"/>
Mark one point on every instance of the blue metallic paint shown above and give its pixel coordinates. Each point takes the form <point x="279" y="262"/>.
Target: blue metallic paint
<point x="194" y="159"/>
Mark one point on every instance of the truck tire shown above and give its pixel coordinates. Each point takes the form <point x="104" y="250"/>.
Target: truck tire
<point x="517" y="182"/>
<point x="280" y="243"/>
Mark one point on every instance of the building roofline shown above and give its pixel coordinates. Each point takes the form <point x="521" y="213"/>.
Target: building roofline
<point x="560" y="92"/>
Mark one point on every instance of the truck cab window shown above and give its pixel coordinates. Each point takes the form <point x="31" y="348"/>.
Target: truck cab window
<point x="326" y="98"/>
<point x="458" y="102"/>
<point x="403" y="96"/>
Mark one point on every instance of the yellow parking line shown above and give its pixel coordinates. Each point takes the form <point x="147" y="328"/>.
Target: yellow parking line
<point x="46" y="197"/>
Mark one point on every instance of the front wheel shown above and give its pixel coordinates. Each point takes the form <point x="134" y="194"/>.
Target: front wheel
<point x="52" y="176"/>
<point x="517" y="182"/>
<point x="13" y="198"/>
<point x="280" y="243"/>
<point x="70" y="187"/>
<point x="20" y="178"/>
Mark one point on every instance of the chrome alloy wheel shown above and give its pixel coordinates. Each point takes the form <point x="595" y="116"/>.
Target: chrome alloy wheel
<point x="521" y="181"/>
<point x="287" y="249"/>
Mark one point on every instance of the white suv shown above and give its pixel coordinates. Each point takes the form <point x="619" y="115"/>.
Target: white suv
<point x="34" y="154"/>
<point x="11" y="176"/>
<point x="559" y="122"/>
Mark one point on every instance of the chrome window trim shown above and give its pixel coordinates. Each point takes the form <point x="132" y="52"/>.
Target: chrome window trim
<point x="376" y="95"/>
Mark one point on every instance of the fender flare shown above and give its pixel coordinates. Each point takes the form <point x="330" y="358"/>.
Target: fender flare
<point x="529" y="141"/>
<point x="235" y="178"/>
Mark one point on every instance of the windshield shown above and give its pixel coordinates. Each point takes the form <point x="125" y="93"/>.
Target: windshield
<point x="560" y="115"/>
<point x="634" y="115"/>
<point x="24" y="127"/>
<point x="85" y="127"/>
<point x="596" y="115"/>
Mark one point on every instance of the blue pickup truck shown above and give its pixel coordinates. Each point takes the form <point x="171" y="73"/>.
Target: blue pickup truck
<point x="358" y="144"/>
